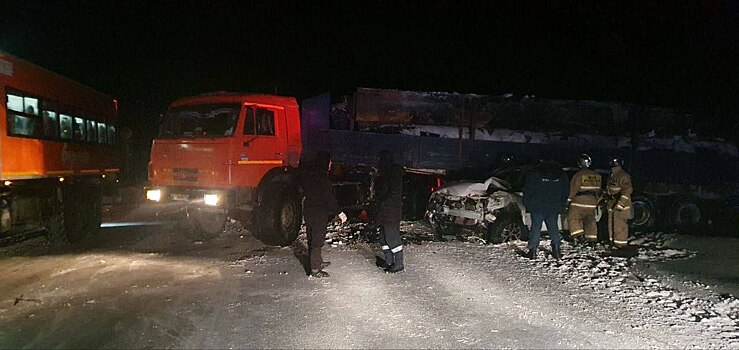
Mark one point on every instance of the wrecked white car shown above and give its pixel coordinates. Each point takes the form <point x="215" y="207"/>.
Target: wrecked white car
<point x="490" y="210"/>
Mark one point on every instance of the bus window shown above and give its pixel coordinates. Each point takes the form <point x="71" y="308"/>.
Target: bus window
<point x="111" y="134"/>
<point x="50" y="120"/>
<point x="102" y="133"/>
<point x="15" y="103"/>
<point x="51" y="124"/>
<point x="91" y="131"/>
<point x="24" y="126"/>
<point x="65" y="122"/>
<point x="79" y="129"/>
<point x="23" y="115"/>
<point x="31" y="105"/>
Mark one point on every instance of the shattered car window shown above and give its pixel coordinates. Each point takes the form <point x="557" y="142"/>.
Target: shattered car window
<point x="203" y="120"/>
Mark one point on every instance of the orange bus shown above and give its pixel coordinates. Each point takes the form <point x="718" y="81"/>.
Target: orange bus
<point x="57" y="150"/>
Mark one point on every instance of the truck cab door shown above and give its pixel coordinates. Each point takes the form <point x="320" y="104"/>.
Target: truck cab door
<point x="262" y="145"/>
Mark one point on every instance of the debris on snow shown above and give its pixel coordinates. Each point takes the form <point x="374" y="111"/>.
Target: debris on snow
<point x="594" y="270"/>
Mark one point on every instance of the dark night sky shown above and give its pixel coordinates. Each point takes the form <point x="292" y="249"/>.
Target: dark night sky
<point x="677" y="54"/>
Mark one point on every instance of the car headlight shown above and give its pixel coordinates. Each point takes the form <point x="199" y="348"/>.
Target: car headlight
<point x="212" y="199"/>
<point x="154" y="195"/>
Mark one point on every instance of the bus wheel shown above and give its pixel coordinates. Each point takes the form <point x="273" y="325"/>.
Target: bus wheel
<point x="78" y="216"/>
<point x="55" y="232"/>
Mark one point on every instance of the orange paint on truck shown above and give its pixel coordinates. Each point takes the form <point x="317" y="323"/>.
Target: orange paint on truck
<point x="237" y="157"/>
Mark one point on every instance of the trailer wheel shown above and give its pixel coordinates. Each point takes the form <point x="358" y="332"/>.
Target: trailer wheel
<point x="686" y="215"/>
<point x="280" y="215"/>
<point x="643" y="212"/>
<point x="507" y="228"/>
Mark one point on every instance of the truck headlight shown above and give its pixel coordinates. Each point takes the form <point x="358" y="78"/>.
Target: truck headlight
<point x="154" y="195"/>
<point x="212" y="199"/>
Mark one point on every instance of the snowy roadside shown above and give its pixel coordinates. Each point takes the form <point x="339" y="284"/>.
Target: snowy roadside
<point x="654" y="299"/>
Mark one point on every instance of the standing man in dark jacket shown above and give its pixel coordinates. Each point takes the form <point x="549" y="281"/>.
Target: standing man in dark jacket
<point x="319" y="207"/>
<point x="545" y="197"/>
<point x="388" y="196"/>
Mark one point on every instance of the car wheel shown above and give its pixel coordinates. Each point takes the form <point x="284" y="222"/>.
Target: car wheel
<point x="506" y="228"/>
<point x="441" y="230"/>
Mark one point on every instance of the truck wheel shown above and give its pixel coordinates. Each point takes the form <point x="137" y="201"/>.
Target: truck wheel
<point x="507" y="228"/>
<point x="280" y="215"/>
<point x="643" y="212"/>
<point x="206" y="224"/>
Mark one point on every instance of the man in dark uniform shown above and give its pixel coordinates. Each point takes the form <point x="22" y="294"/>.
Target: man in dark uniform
<point x="388" y="192"/>
<point x="319" y="207"/>
<point x="545" y="197"/>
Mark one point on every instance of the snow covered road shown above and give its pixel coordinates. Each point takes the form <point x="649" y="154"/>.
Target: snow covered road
<point x="150" y="288"/>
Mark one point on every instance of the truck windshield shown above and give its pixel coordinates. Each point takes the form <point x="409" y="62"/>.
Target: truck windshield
<point x="202" y="120"/>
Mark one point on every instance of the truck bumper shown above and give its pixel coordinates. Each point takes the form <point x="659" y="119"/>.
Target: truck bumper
<point x="212" y="198"/>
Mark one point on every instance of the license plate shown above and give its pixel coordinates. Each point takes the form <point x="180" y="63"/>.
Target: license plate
<point x="179" y="197"/>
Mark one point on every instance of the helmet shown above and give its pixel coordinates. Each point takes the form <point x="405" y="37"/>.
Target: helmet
<point x="616" y="161"/>
<point x="584" y="161"/>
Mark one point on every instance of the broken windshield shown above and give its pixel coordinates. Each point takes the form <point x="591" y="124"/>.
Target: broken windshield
<point x="202" y="120"/>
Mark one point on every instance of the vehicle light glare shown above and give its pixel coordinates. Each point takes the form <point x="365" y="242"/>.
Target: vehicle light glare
<point x="154" y="195"/>
<point x="211" y="199"/>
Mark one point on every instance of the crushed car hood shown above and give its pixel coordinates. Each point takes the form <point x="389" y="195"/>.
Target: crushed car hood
<point x="470" y="188"/>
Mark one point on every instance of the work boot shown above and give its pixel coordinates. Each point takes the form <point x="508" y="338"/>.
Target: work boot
<point x="389" y="258"/>
<point x="578" y="240"/>
<point x="398" y="266"/>
<point x="531" y="254"/>
<point x="319" y="274"/>
<point x="556" y="253"/>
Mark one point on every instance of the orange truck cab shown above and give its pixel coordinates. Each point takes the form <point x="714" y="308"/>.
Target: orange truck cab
<point x="231" y="155"/>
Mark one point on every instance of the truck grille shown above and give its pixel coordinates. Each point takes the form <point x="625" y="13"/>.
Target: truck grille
<point x="185" y="174"/>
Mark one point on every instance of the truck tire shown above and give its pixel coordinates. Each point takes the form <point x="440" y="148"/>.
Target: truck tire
<point x="205" y="224"/>
<point x="507" y="228"/>
<point x="644" y="213"/>
<point x="280" y="215"/>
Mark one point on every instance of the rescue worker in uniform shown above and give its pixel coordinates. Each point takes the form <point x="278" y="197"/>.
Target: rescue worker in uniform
<point x="585" y="191"/>
<point x="318" y="208"/>
<point x="545" y="197"/>
<point x="619" y="191"/>
<point x="388" y="192"/>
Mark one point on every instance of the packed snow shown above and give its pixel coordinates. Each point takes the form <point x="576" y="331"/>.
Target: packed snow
<point x="706" y="320"/>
